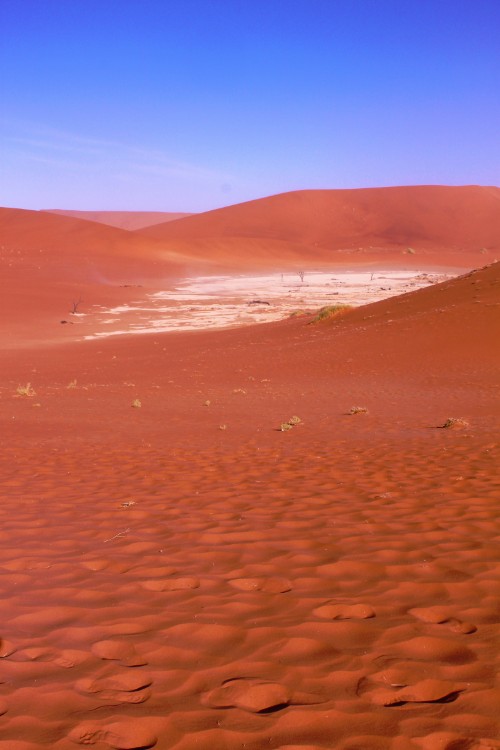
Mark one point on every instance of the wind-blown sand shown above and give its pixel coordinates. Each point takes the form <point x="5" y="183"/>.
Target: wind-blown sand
<point x="178" y="572"/>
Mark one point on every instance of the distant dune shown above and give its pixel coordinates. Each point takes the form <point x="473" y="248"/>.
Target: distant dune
<point x="122" y="219"/>
<point x="438" y="222"/>
<point x="47" y="261"/>
<point x="48" y="258"/>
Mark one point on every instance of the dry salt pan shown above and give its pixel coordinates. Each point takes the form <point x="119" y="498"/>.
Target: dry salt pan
<point x="207" y="302"/>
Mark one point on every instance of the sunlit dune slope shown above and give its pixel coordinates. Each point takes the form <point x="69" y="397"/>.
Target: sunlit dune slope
<point x="439" y="223"/>
<point x="122" y="219"/>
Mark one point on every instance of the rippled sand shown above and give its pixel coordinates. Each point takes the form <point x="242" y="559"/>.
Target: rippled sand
<point x="179" y="572"/>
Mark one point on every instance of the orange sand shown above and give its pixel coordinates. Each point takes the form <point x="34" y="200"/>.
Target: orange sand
<point x="185" y="575"/>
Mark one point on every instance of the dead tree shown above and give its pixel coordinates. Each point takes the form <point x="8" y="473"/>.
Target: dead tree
<point x="76" y="304"/>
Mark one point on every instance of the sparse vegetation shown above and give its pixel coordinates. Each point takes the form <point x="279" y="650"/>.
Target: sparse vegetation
<point x="358" y="410"/>
<point x="136" y="404"/>
<point x="240" y="390"/>
<point x="223" y="427"/>
<point x="455" y="423"/>
<point x="206" y="403"/>
<point x="330" y="311"/>
<point x="301" y="275"/>
<point x="297" y="314"/>
<point x="25" y="390"/>
<point x="76" y="304"/>
<point x="72" y="384"/>
<point x="410" y="251"/>
<point x="292" y="422"/>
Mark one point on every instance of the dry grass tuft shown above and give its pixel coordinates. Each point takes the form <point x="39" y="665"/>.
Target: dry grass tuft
<point x="25" y="390"/>
<point x="330" y="311"/>
<point x="358" y="410"/>
<point x="455" y="423"/>
<point x="292" y="422"/>
<point x="136" y="404"/>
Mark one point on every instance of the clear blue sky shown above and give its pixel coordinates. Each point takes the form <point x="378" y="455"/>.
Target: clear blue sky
<point x="193" y="104"/>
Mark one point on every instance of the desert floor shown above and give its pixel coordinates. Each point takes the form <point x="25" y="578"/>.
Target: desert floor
<point x="179" y="572"/>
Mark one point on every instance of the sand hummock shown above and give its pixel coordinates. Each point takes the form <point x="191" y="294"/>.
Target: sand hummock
<point x="185" y="574"/>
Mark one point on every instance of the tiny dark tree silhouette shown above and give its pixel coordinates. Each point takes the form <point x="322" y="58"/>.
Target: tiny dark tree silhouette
<point x="76" y="304"/>
<point x="301" y="275"/>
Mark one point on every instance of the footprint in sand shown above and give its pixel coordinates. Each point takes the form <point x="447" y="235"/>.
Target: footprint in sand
<point x="439" y="616"/>
<point x="454" y="741"/>
<point x="255" y="695"/>
<point x="120" y="651"/>
<point x="425" y="691"/>
<point x="266" y="585"/>
<point x="70" y="658"/>
<point x="120" y="735"/>
<point x="122" y="687"/>
<point x="344" y="611"/>
<point x="6" y="648"/>
<point x="172" y="584"/>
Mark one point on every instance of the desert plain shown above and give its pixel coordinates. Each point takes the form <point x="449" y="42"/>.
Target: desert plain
<point x="227" y="523"/>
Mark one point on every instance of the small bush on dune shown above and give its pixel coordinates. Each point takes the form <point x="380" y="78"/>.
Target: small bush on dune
<point x="358" y="410"/>
<point x="330" y="311"/>
<point x="25" y="390"/>
<point x="455" y="423"/>
<point x="136" y="404"/>
<point x="292" y="422"/>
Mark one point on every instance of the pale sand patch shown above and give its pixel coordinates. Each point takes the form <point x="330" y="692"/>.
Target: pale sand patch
<point x="230" y="301"/>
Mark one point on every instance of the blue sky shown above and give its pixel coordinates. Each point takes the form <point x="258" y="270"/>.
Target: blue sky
<point x="195" y="104"/>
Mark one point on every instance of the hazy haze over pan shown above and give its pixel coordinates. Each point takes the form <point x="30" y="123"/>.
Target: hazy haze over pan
<point x="192" y="106"/>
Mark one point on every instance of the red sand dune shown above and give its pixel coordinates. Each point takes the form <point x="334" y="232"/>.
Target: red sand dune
<point x="48" y="261"/>
<point x="184" y="575"/>
<point x="441" y="224"/>
<point x="122" y="219"/>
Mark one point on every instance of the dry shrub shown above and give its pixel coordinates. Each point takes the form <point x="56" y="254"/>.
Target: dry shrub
<point x="358" y="410"/>
<point x="455" y="423"/>
<point x="330" y="311"/>
<point x="25" y="390"/>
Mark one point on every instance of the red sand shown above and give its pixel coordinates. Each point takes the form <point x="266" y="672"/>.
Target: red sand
<point x="122" y="219"/>
<point x="185" y="575"/>
<point x="454" y="225"/>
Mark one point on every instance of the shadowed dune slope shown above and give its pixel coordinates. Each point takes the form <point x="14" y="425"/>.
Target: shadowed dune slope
<point x="62" y="247"/>
<point x="47" y="261"/>
<point x="129" y="220"/>
<point x="437" y="221"/>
